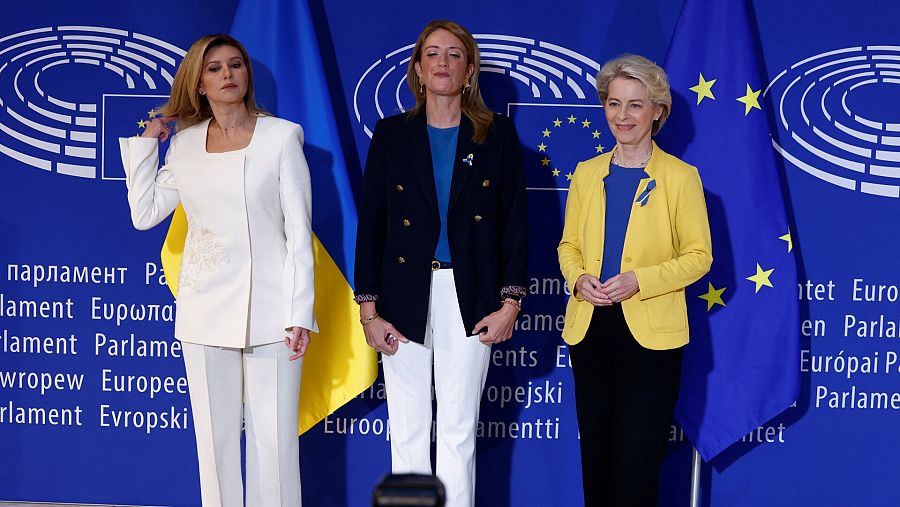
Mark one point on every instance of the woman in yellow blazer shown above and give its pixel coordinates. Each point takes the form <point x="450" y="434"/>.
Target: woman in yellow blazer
<point x="636" y="234"/>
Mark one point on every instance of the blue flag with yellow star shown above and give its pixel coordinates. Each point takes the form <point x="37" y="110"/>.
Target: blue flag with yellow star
<point x="742" y="365"/>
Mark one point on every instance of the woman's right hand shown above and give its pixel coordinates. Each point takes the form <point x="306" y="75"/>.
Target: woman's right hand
<point x="159" y="128"/>
<point x="381" y="335"/>
<point x="588" y="287"/>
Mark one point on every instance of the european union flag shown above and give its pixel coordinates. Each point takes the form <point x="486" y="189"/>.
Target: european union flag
<point x="742" y="365"/>
<point x="556" y="138"/>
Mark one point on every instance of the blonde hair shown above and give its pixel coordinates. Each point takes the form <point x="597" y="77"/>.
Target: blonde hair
<point x="185" y="102"/>
<point x="648" y="73"/>
<point x="472" y="104"/>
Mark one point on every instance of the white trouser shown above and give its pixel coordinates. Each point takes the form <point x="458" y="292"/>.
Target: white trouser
<point x="262" y="385"/>
<point x="460" y="368"/>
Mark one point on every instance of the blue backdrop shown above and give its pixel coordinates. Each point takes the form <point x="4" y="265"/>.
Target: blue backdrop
<point x="92" y="394"/>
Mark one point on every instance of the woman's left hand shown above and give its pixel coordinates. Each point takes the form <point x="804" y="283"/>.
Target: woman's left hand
<point x="297" y="341"/>
<point x="620" y="287"/>
<point x="499" y="325"/>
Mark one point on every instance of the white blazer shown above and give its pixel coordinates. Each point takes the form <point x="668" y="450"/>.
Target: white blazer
<point x="247" y="269"/>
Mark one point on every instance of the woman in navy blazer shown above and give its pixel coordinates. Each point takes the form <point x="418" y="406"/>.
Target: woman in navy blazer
<point x="440" y="254"/>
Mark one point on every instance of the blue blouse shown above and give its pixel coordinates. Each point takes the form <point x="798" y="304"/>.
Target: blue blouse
<point x="621" y="186"/>
<point x="443" y="151"/>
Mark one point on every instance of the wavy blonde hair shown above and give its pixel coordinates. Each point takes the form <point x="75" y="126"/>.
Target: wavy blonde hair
<point x="185" y="101"/>
<point x="472" y="104"/>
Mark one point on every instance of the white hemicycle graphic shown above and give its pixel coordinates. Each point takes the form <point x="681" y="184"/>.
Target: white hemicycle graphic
<point x="43" y="127"/>
<point x="548" y="70"/>
<point x="824" y="135"/>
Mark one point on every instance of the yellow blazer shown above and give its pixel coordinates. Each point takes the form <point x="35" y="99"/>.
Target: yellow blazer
<point x="667" y="245"/>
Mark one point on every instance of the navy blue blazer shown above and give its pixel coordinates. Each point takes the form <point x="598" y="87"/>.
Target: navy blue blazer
<point x="399" y="222"/>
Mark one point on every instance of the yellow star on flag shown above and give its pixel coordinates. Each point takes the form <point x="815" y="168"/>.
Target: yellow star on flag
<point x="555" y="172"/>
<point x="142" y="124"/>
<point x="569" y="176"/>
<point x="703" y="89"/>
<point x="546" y="161"/>
<point x="152" y="113"/>
<point x="572" y="119"/>
<point x="713" y="297"/>
<point x="586" y="123"/>
<point x="761" y="277"/>
<point x="546" y="133"/>
<point x="596" y="134"/>
<point x="790" y="241"/>
<point x="542" y="147"/>
<point x="750" y="100"/>
<point x="599" y="148"/>
<point x="557" y="122"/>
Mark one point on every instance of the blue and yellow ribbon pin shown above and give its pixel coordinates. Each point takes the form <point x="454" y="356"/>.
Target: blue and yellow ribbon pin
<point x="645" y="195"/>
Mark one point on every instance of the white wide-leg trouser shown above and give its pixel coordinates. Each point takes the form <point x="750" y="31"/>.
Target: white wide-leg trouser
<point x="259" y="384"/>
<point x="460" y="365"/>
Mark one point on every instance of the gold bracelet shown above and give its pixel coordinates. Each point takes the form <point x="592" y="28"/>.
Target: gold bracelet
<point x="368" y="320"/>
<point x="511" y="301"/>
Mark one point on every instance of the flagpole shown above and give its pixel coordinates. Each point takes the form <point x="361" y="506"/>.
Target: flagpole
<point x="695" y="479"/>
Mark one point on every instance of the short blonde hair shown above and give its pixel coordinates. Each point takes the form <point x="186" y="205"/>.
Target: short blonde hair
<point x="648" y="73"/>
<point x="185" y="101"/>
<point x="472" y="104"/>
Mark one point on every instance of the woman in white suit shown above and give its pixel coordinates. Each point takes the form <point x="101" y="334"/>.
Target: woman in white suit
<point x="245" y="301"/>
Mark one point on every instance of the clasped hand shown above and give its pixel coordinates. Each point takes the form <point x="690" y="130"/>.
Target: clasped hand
<point x="614" y="290"/>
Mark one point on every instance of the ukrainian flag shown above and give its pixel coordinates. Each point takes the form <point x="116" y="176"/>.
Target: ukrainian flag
<point x="290" y="82"/>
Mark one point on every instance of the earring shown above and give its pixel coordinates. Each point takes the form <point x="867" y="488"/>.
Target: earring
<point x="201" y="92"/>
<point x="421" y="87"/>
<point x="466" y="85"/>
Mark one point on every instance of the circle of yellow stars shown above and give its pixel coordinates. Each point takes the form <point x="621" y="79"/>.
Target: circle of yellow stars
<point x="547" y="134"/>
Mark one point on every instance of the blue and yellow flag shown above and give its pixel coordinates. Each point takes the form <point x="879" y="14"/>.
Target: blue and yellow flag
<point x="742" y="365"/>
<point x="290" y="82"/>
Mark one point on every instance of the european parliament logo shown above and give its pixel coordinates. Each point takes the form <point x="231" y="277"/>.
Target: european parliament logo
<point x="553" y="101"/>
<point x="839" y="118"/>
<point x="68" y="92"/>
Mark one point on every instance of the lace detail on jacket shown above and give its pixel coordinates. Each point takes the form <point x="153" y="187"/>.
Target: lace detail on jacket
<point x="203" y="255"/>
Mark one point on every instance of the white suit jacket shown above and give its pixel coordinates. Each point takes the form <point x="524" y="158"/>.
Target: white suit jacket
<point x="247" y="269"/>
